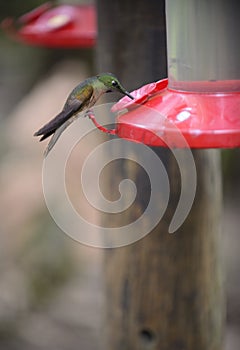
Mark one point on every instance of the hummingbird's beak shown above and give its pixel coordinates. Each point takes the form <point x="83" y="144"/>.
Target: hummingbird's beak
<point x="127" y="94"/>
<point x="124" y="92"/>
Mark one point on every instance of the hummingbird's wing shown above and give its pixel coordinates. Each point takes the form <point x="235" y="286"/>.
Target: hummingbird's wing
<point x="60" y="123"/>
<point x="72" y="106"/>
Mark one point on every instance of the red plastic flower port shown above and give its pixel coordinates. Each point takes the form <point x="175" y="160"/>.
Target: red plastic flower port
<point x="60" y="26"/>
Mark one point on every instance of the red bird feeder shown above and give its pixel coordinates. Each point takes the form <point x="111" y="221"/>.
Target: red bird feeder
<point x="201" y="98"/>
<point x="61" y="26"/>
<point x="159" y="114"/>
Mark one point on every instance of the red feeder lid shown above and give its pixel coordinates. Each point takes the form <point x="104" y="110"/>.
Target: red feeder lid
<point x="160" y="116"/>
<point x="60" y="26"/>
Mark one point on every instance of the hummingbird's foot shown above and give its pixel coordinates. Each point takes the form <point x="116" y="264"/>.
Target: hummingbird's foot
<point x="90" y="114"/>
<point x="100" y="127"/>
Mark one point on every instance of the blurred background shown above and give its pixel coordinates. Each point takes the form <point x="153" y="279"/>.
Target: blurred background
<point x="51" y="292"/>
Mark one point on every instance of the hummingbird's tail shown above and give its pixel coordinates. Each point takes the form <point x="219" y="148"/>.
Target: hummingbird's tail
<point x="50" y="128"/>
<point x="57" y="134"/>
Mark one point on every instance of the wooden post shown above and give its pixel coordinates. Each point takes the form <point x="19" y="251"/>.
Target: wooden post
<point x="165" y="291"/>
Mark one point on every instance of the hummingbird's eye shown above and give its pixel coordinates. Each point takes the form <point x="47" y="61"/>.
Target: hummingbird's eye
<point x="114" y="83"/>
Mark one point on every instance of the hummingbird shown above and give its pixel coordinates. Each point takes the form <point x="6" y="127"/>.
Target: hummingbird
<point x="82" y="97"/>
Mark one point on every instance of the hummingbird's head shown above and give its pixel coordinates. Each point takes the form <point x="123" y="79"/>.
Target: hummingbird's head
<point x="112" y="84"/>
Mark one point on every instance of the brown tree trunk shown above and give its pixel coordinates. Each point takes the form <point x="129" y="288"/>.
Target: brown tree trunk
<point x="164" y="291"/>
